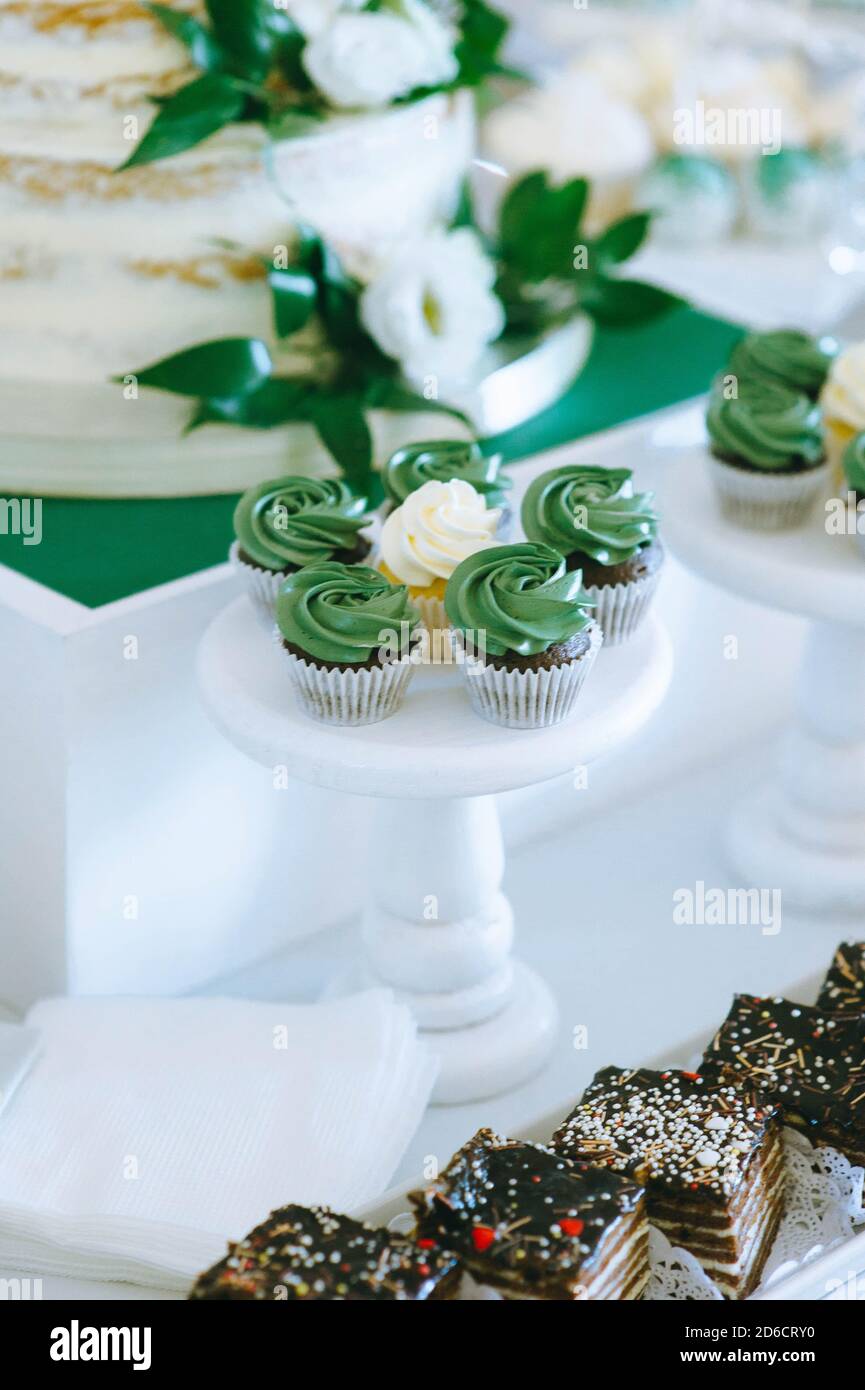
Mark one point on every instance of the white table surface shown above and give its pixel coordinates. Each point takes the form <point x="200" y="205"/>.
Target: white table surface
<point x="601" y="930"/>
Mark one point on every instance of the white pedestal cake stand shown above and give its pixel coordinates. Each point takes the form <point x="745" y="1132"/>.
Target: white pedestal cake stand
<point x="436" y="926"/>
<point x="805" y="832"/>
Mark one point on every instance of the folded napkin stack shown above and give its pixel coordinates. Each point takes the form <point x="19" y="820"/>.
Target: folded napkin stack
<point x="150" y="1131"/>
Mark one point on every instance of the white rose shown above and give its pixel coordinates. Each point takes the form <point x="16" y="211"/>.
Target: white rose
<point x="433" y="308"/>
<point x="370" y="59"/>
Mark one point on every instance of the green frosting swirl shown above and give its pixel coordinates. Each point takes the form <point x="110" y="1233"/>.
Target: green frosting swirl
<point x="291" y="522"/>
<point x="768" y="425"/>
<point x="592" y="510"/>
<point x="517" y="598"/>
<point x="441" y="460"/>
<point x="344" y="613"/>
<point x="788" y="356"/>
<point x="854" y="463"/>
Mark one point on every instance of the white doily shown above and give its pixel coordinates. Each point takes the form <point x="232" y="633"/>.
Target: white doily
<point x="823" y="1205"/>
<point x="676" y="1275"/>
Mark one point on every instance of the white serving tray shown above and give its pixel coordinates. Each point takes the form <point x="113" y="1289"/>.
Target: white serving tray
<point x="812" y="1281"/>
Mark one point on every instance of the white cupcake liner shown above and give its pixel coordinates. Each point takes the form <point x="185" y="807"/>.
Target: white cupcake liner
<point x="768" y="501"/>
<point x="262" y="586"/>
<point x="527" y="699"/>
<point x="438" y="639"/>
<point x="620" y="608"/>
<point x="344" y="696"/>
<point x="437" y="647"/>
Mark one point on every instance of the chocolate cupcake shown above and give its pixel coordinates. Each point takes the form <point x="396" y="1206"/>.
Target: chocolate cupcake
<point x="440" y="461"/>
<point x="854" y="474"/>
<point x="604" y="529"/>
<point x="767" y="452"/>
<point x="787" y="356"/>
<point x="524" y="635"/>
<point x="290" y="522"/>
<point x="347" y="634"/>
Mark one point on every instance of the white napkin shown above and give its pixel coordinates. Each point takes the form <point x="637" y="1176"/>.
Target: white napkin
<point x="152" y="1130"/>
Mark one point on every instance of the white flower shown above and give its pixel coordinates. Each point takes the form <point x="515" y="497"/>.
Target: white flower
<point x="433" y="308"/>
<point x="372" y="58"/>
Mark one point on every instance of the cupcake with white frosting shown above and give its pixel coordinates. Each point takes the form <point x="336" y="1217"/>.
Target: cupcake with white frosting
<point x="423" y="540"/>
<point x="843" y="402"/>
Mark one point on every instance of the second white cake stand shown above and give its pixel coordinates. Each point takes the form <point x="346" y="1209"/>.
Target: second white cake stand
<point x="804" y="833"/>
<point x="436" y="926"/>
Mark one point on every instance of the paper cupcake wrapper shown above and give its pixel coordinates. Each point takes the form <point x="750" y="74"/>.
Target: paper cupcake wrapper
<point x="768" y="501"/>
<point x="262" y="586"/>
<point x="347" y="697"/>
<point x="528" y="699"/>
<point x="620" y="608"/>
<point x="438" y="642"/>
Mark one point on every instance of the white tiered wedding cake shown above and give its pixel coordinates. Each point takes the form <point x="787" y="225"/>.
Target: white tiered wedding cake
<point x="103" y="272"/>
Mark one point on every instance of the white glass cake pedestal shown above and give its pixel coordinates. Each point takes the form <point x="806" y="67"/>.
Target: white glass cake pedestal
<point x="805" y="832"/>
<point x="436" y="926"/>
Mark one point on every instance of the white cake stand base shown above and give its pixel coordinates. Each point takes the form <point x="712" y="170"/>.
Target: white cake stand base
<point x="804" y="834"/>
<point x="436" y="927"/>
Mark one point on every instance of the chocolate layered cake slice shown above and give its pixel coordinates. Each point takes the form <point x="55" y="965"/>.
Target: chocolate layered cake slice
<point x="310" y="1253"/>
<point x="806" y="1060"/>
<point x="709" y="1156"/>
<point x="533" y="1225"/>
<point x="843" y="990"/>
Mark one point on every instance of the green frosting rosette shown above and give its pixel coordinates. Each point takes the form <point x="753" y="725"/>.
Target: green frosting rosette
<point x="517" y="598"/>
<point x="592" y="510"/>
<point x="854" y="463"/>
<point x="344" y="613"/>
<point x="787" y="355"/>
<point x="440" y="460"/>
<point x="292" y="522"/>
<point x="767" y="425"/>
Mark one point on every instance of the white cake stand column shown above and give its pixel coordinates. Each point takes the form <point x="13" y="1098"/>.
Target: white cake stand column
<point x="804" y="832"/>
<point x="436" y="926"/>
<point x="807" y="829"/>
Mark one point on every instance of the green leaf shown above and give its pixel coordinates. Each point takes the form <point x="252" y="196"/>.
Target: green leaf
<point x="621" y="239"/>
<point x="344" y="432"/>
<point x="539" y="226"/>
<point x="250" y="31"/>
<point x="224" y="368"/>
<point x="289" y="57"/>
<point x="619" y="303"/>
<point x="517" y="206"/>
<point x="187" y="118"/>
<point x="294" y="294"/>
<point x="482" y="33"/>
<point x="203" y="48"/>
<point x="464" y="215"/>
<point x="276" y="402"/>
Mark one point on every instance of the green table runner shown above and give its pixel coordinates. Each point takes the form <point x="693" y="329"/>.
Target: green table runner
<point x="100" y="551"/>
